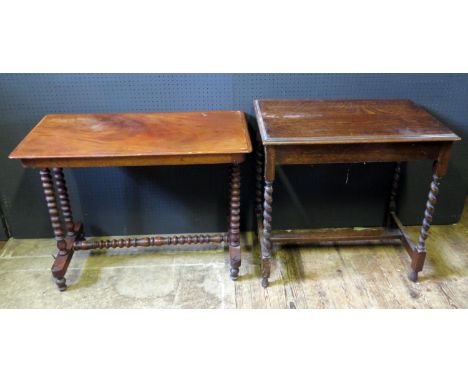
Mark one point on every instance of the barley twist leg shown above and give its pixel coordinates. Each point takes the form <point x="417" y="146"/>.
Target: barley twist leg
<point x="426" y="224"/>
<point x="267" y="245"/>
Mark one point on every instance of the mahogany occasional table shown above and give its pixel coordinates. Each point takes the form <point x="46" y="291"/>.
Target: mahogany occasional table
<point x="347" y="131"/>
<point x="132" y="139"/>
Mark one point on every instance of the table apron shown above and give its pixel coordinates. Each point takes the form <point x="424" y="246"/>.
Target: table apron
<point x="357" y="152"/>
<point x="195" y="159"/>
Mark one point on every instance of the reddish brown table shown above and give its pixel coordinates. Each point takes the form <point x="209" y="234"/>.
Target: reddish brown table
<point x="347" y="131"/>
<point x="132" y="139"/>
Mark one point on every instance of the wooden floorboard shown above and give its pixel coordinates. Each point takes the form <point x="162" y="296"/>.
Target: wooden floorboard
<point x="308" y="276"/>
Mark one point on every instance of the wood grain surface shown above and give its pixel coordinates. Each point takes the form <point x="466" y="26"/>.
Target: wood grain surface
<point x="347" y="121"/>
<point x="72" y="140"/>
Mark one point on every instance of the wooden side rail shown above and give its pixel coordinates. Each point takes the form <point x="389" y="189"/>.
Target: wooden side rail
<point x="331" y="235"/>
<point x="151" y="241"/>
<point x="345" y="234"/>
<point x="405" y="239"/>
<point x="417" y="255"/>
<point x="351" y="235"/>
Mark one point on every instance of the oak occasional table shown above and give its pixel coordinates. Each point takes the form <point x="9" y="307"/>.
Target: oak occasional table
<point x="132" y="139"/>
<point x="347" y="131"/>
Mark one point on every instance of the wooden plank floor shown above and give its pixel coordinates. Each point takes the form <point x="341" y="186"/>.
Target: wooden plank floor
<point x="357" y="276"/>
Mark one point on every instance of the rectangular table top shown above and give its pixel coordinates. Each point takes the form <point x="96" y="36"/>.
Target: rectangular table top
<point x="128" y="139"/>
<point x="347" y="121"/>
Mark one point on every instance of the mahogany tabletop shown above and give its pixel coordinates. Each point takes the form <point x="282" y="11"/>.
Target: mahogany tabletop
<point x="347" y="121"/>
<point x="130" y="139"/>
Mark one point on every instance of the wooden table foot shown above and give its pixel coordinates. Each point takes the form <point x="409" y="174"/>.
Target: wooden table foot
<point x="234" y="261"/>
<point x="420" y="251"/>
<point x="413" y="276"/>
<point x="58" y="204"/>
<point x="65" y="254"/>
<point x="266" y="268"/>
<point x="61" y="284"/>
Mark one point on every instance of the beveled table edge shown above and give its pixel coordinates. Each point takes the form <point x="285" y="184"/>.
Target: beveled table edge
<point x="266" y="140"/>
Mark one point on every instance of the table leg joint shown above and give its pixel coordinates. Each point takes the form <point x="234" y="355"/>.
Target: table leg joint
<point x="66" y="248"/>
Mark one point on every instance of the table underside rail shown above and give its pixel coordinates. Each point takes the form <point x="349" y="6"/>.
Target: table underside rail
<point x="411" y="248"/>
<point x="332" y="235"/>
<point x="76" y="242"/>
<point x="326" y="236"/>
<point x="152" y="241"/>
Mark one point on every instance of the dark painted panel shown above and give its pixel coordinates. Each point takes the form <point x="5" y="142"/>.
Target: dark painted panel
<point x="193" y="199"/>
<point x="3" y="227"/>
<point x="444" y="95"/>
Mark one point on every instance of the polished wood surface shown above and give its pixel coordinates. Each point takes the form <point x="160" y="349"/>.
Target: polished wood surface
<point x="132" y="139"/>
<point x="348" y="131"/>
<point x="346" y="121"/>
<point x="135" y="139"/>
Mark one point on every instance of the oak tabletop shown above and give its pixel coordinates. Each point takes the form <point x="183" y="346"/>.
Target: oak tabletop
<point x="347" y="121"/>
<point x="114" y="138"/>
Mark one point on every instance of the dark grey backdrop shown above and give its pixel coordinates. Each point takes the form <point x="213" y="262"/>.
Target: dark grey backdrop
<point x="193" y="199"/>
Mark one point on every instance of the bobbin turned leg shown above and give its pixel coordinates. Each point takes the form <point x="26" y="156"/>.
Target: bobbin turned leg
<point x="64" y="201"/>
<point x="417" y="262"/>
<point x="234" y="223"/>
<point x="73" y="229"/>
<point x="62" y="255"/>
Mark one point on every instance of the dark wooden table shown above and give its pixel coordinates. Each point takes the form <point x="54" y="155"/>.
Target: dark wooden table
<point x="132" y="139"/>
<point x="347" y="131"/>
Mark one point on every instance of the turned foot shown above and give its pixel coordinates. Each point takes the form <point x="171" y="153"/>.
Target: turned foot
<point x="61" y="284"/>
<point x="265" y="282"/>
<point x="235" y="262"/>
<point x="413" y="276"/>
<point x="234" y="273"/>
